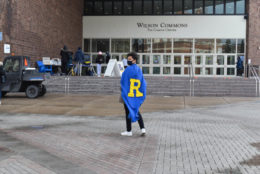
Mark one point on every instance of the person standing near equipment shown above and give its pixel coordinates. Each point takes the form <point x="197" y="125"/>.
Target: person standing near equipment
<point x="133" y="93"/>
<point x="79" y="57"/>
<point x="240" y="67"/>
<point x="99" y="61"/>
<point x="107" y="57"/>
<point x="65" y="57"/>
<point x="2" y="79"/>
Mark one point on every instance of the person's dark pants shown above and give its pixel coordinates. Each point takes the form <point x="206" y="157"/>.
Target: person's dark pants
<point x="64" y="68"/>
<point x="240" y="72"/>
<point x="129" y="123"/>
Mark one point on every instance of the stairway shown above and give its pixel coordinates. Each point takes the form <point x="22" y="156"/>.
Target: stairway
<point x="157" y="85"/>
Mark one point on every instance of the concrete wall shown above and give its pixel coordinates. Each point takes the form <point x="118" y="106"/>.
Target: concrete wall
<point x="39" y="28"/>
<point x="253" y="32"/>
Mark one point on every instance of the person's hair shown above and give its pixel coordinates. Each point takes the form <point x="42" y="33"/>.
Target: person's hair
<point x="133" y="55"/>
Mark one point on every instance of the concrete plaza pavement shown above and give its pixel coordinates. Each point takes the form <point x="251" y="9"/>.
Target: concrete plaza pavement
<point x="105" y="105"/>
<point x="187" y="136"/>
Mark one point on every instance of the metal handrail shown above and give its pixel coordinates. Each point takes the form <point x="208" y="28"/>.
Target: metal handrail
<point x="252" y="71"/>
<point x="191" y="75"/>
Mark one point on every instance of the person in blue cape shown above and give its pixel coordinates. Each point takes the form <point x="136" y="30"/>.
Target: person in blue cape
<point x="133" y="93"/>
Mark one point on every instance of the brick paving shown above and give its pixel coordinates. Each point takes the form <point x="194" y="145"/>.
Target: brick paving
<point x="214" y="140"/>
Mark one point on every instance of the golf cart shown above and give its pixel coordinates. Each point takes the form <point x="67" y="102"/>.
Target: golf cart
<point x="21" y="78"/>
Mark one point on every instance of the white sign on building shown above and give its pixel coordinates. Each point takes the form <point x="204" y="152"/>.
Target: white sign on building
<point x="7" y="48"/>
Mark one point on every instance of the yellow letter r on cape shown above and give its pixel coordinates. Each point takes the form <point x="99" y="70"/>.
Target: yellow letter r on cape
<point x="136" y="88"/>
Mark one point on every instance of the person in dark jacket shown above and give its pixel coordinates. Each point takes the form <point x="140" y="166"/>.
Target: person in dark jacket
<point x="2" y="77"/>
<point x="240" y="67"/>
<point x="78" y="58"/>
<point x="99" y="61"/>
<point x="107" y="57"/>
<point x="65" y="59"/>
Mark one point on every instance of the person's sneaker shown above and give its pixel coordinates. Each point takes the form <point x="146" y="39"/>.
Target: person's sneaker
<point x="143" y="132"/>
<point x="129" y="134"/>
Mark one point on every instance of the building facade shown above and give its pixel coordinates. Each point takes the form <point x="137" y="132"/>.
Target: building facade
<point x="168" y="35"/>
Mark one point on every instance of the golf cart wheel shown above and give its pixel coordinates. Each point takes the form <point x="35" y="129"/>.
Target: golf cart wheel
<point x="32" y="91"/>
<point x="43" y="91"/>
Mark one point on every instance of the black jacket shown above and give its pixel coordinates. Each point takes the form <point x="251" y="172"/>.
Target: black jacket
<point x="2" y="74"/>
<point x="100" y="59"/>
<point x="65" y="55"/>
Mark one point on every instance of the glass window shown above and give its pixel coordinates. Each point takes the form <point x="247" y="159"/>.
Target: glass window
<point x="178" y="7"/>
<point x="117" y="7"/>
<point x="167" y="7"/>
<point x="230" y="71"/>
<point x="120" y="45"/>
<point x="230" y="6"/>
<point x="240" y="6"/>
<point x="156" y="59"/>
<point x="226" y="45"/>
<point x="157" y="7"/>
<point x="98" y="7"/>
<point x="208" y="71"/>
<point x="209" y="60"/>
<point x="146" y="70"/>
<point x="220" y="71"/>
<point x="12" y="65"/>
<point x="100" y="45"/>
<point x="187" y="60"/>
<point x="220" y="60"/>
<point x="198" y="71"/>
<point x="107" y="7"/>
<point x="204" y="45"/>
<point x="148" y="7"/>
<point x="166" y="70"/>
<point x="146" y="59"/>
<point x="177" y="70"/>
<point x="94" y="58"/>
<point x="127" y="7"/>
<point x="156" y="70"/>
<point x="198" y="7"/>
<point x="188" y="6"/>
<point x="182" y="46"/>
<point x="88" y="7"/>
<point x="167" y="59"/>
<point x="86" y="45"/>
<point x="138" y="59"/>
<point x="209" y="6"/>
<point x="240" y="46"/>
<point x="137" y="8"/>
<point x="141" y="45"/>
<point x="219" y="6"/>
<point x="198" y="60"/>
<point x="177" y="60"/>
<point x="186" y="70"/>
<point x="162" y="45"/>
<point x="115" y="57"/>
<point x="231" y="60"/>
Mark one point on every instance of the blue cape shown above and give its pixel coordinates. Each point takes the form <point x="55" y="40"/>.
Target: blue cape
<point x="133" y="90"/>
